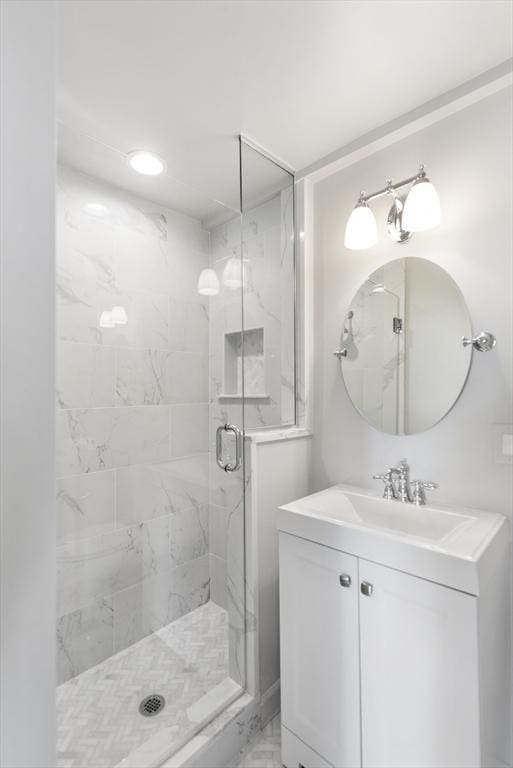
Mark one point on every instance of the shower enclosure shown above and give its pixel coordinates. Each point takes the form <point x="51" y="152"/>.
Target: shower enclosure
<point x="175" y="326"/>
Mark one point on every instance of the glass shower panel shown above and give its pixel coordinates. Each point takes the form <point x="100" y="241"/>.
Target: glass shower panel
<point x="150" y="550"/>
<point x="268" y="285"/>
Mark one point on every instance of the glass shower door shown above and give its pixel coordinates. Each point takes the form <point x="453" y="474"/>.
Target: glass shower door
<point x="150" y="550"/>
<point x="227" y="501"/>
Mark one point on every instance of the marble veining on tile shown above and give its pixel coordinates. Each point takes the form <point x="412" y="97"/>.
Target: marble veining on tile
<point x="105" y="438"/>
<point x="264" y="751"/>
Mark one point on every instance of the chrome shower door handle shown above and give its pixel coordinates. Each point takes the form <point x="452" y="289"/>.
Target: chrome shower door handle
<point x="219" y="447"/>
<point x="228" y="467"/>
<point x="238" y="448"/>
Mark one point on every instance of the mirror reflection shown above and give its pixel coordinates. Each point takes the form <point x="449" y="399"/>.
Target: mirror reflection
<point x="402" y="358"/>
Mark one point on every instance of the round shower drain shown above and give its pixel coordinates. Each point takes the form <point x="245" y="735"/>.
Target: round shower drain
<point x="150" y="705"/>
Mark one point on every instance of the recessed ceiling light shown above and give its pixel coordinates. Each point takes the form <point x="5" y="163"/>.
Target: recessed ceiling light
<point x="145" y="162"/>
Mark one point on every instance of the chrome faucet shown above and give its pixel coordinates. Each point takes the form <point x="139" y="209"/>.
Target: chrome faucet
<point x="405" y="491"/>
<point x="403" y="481"/>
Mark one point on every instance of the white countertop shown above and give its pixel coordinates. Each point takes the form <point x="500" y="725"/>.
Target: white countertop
<point x="447" y="544"/>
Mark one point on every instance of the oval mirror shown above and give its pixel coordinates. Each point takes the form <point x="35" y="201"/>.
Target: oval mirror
<point x="403" y="362"/>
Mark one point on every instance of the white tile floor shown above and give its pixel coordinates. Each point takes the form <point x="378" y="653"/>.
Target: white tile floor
<point x="98" y="711"/>
<point x="265" y="750"/>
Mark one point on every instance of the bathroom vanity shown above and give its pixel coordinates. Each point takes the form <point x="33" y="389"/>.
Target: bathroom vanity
<point x="395" y="633"/>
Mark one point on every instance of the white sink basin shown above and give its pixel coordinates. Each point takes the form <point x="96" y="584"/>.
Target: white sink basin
<point x="429" y="541"/>
<point x="348" y="506"/>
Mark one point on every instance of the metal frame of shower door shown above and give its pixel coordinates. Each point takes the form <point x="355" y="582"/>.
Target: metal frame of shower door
<point x="244" y="139"/>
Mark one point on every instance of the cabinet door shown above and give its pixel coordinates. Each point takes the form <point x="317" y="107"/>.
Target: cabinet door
<point x="319" y="649"/>
<point x="419" y="673"/>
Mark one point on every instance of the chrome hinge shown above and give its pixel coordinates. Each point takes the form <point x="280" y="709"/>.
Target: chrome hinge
<point x="397" y="324"/>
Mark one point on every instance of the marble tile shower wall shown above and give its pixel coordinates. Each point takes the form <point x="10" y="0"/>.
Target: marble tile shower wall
<point x="133" y="420"/>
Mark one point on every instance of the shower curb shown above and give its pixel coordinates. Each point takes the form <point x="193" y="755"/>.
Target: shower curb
<point x="220" y="743"/>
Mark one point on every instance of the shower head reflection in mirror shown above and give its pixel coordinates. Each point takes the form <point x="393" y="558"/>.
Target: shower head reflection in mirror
<point x="404" y="365"/>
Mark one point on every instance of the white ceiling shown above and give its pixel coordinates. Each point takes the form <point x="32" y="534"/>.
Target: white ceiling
<point x="301" y="77"/>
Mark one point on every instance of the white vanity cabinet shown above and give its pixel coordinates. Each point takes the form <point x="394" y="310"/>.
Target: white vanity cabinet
<point x="319" y="642"/>
<point x="383" y="668"/>
<point x="419" y="672"/>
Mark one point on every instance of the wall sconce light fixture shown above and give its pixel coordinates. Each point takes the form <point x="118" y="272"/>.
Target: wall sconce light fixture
<point x="419" y="212"/>
<point x="208" y="282"/>
<point x="235" y="274"/>
<point x="111" y="318"/>
<point x="119" y="315"/>
<point x="106" y="320"/>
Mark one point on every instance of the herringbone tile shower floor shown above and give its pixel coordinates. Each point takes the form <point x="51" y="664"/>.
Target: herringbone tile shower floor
<point x="98" y="711"/>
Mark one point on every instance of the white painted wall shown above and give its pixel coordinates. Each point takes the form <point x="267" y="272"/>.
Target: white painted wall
<point x="280" y="472"/>
<point x="27" y="275"/>
<point x="468" y="157"/>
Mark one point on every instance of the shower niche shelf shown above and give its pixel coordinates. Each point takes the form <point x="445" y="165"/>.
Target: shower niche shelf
<point x="249" y="344"/>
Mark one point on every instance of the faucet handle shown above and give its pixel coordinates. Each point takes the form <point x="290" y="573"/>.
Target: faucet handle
<point x="418" y="487"/>
<point x="385" y="476"/>
<point x="389" y="490"/>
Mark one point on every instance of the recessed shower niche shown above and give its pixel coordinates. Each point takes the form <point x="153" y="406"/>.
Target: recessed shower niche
<point x="247" y="346"/>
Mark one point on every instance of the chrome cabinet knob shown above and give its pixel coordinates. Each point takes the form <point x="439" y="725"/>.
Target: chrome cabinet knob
<point x="366" y="588"/>
<point x="345" y="580"/>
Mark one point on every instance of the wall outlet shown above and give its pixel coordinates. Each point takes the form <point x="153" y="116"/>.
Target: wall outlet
<point x="503" y="443"/>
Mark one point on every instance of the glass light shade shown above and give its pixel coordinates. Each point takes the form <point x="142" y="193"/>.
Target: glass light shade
<point x="208" y="283"/>
<point x="119" y="316"/>
<point x="96" y="209"/>
<point x="106" y="320"/>
<point x="234" y="274"/>
<point x="361" y="229"/>
<point x="422" y="207"/>
<point x="145" y="162"/>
